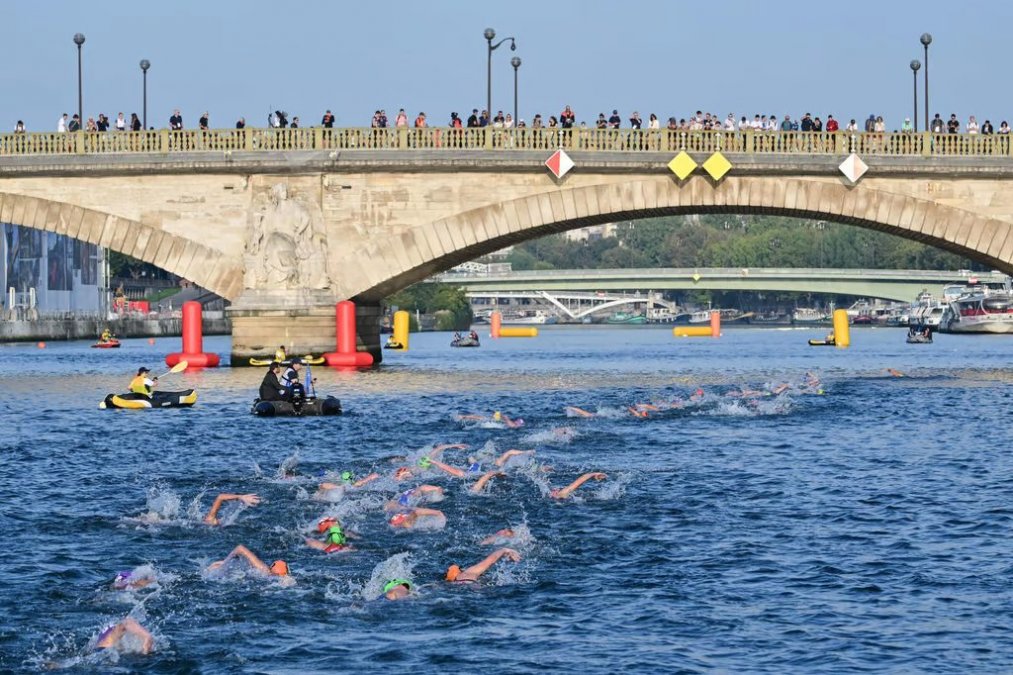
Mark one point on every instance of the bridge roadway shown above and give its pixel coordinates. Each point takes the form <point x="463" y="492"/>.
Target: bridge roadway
<point x="285" y="222"/>
<point x="900" y="285"/>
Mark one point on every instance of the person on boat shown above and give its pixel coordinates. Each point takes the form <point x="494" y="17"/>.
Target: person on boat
<point x="912" y="331"/>
<point x="278" y="568"/>
<point x="296" y="392"/>
<point x="473" y="335"/>
<point x="392" y="343"/>
<point x="335" y="539"/>
<point x="471" y="574"/>
<point x="457" y="337"/>
<point x="271" y="389"/>
<point x="565" y="493"/>
<point x="142" y="384"/>
<point x="830" y="338"/>
<point x="279" y="354"/>
<point x="429" y="519"/>
<point x="247" y="500"/>
<point x="397" y="589"/>
<point x="292" y="371"/>
<point x="107" y="335"/>
<point x="112" y="637"/>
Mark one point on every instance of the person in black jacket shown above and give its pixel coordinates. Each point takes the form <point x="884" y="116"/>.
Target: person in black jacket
<point x="271" y="389"/>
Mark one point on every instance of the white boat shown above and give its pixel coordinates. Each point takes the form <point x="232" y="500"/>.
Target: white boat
<point x="927" y="311"/>
<point x="984" y="308"/>
<point x="807" y="315"/>
<point x="535" y="318"/>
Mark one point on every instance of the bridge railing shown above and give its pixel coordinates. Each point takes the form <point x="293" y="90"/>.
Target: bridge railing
<point x="491" y="139"/>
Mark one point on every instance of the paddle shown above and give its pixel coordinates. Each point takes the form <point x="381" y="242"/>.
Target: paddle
<point x="178" y="368"/>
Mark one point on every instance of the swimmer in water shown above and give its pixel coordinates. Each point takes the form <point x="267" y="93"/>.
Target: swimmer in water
<point x="499" y="538"/>
<point x="895" y="373"/>
<point x="637" y="411"/>
<point x="481" y="482"/>
<point x="565" y="493"/>
<point x="471" y="574"/>
<point x="431" y="519"/>
<point x="132" y="580"/>
<point x="506" y="421"/>
<point x="335" y="539"/>
<point x="397" y="589"/>
<point x="574" y="411"/>
<point x="472" y="469"/>
<point x="212" y="517"/>
<point x="334" y="491"/>
<point x="423" y="494"/>
<point x="278" y="568"/>
<point x="506" y="456"/>
<point x="111" y="637"/>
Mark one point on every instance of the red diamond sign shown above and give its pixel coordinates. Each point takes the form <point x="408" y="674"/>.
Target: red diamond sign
<point x="559" y="163"/>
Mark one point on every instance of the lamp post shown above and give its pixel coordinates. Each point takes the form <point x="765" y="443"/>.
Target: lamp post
<point x="915" y="65"/>
<point x="926" y="40"/>
<point x="145" y="64"/>
<point x="490" y="34"/>
<point x="516" y="63"/>
<point x="79" y="40"/>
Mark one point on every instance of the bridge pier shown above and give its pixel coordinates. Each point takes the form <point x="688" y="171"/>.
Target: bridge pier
<point x="301" y="320"/>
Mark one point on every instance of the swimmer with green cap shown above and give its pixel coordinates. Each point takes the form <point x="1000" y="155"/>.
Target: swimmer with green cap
<point x="335" y="538"/>
<point x="397" y="589"/>
<point x="334" y="491"/>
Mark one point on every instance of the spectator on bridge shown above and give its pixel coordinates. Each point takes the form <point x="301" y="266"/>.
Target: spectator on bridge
<point x="807" y="122"/>
<point x="241" y="123"/>
<point x="652" y="122"/>
<point x="455" y="121"/>
<point x="103" y="123"/>
<point x="953" y="126"/>
<point x="203" y="121"/>
<point x="852" y="126"/>
<point x="786" y="124"/>
<point x="135" y="122"/>
<point x="75" y="123"/>
<point x="832" y="124"/>
<point x="771" y="123"/>
<point x="567" y="118"/>
<point x="937" y="124"/>
<point x="615" y="120"/>
<point x="870" y="124"/>
<point x="553" y="123"/>
<point x="19" y="128"/>
<point x="483" y="119"/>
<point x="92" y="126"/>
<point x="880" y="126"/>
<point x="176" y="121"/>
<point x="473" y="119"/>
<point x="295" y="123"/>
<point x="327" y="121"/>
<point x="601" y="123"/>
<point x="635" y="121"/>
<point x="121" y="122"/>
<point x="420" y="121"/>
<point x="498" y="120"/>
<point x="817" y="124"/>
<point x="61" y="124"/>
<point x="906" y="127"/>
<point x="987" y="129"/>
<point x="402" y="119"/>
<point x="536" y="123"/>
<point x="972" y="125"/>
<point x="521" y="124"/>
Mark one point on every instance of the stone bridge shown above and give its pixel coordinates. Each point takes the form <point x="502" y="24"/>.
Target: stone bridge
<point x="284" y="223"/>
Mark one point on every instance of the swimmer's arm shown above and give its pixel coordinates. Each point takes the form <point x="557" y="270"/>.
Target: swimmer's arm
<point x="212" y="517"/>
<point x="364" y="481"/>
<point x="578" y="411"/>
<point x="429" y="488"/>
<point x="481" y="482"/>
<point x="421" y="511"/>
<point x="318" y="545"/>
<point x="131" y="626"/>
<point x="569" y="489"/>
<point x="480" y="568"/>
<point x="493" y="538"/>
<point x="324" y="487"/>
<point x="452" y="470"/>
<point x="251" y="557"/>
<point x="511" y="453"/>
<point x="446" y="446"/>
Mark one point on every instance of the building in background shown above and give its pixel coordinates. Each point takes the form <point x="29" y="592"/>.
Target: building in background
<point x="592" y="232"/>
<point x="63" y="274"/>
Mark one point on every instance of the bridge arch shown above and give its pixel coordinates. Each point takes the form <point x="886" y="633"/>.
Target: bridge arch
<point x="388" y="266"/>
<point x="184" y="257"/>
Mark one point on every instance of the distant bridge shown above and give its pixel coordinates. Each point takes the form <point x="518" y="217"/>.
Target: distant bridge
<point x="901" y="285"/>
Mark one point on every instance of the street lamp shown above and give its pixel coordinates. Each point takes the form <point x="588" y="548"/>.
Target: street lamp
<point x="915" y="65"/>
<point x="79" y="40"/>
<point x="516" y="63"/>
<point x="489" y="35"/>
<point x="145" y="64"/>
<point x="926" y="40"/>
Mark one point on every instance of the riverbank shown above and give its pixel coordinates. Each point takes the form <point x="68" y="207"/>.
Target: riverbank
<point x="91" y="328"/>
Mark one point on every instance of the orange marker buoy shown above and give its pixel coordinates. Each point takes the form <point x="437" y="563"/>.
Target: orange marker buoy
<point x="151" y="341"/>
<point x="41" y="345"/>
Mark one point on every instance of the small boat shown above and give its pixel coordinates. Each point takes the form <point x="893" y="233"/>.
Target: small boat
<point x="111" y="343"/>
<point x="466" y="341"/>
<point x="158" y="399"/>
<point x="626" y="318"/>
<point x="310" y="407"/>
<point x="919" y="339"/>
<point x="308" y="359"/>
<point x="393" y="344"/>
<point x="822" y="343"/>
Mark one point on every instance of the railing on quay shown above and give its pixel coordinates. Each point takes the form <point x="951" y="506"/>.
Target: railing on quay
<point x="903" y="144"/>
<point x="744" y="272"/>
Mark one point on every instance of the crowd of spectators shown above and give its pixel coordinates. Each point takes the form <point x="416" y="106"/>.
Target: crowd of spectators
<point x="567" y="119"/>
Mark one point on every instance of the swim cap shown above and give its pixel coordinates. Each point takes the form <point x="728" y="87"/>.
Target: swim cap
<point x="453" y="572"/>
<point x="279" y="567"/>
<point x="326" y="523"/>
<point x="397" y="519"/>
<point x="347" y="476"/>
<point x="497" y="416"/>
<point x="122" y="579"/>
<point x="336" y="535"/>
<point x="425" y="462"/>
<point x="394" y="583"/>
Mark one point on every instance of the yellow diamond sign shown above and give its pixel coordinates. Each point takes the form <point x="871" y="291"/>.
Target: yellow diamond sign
<point x="717" y="166"/>
<point x="682" y="165"/>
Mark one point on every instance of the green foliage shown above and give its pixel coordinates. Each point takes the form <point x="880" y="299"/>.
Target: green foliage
<point x="735" y="241"/>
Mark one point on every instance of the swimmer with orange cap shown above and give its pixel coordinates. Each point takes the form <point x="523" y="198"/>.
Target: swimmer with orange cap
<point x="335" y="539"/>
<point x="212" y="517"/>
<point x="565" y="493"/>
<point x="471" y="574"/>
<point x="278" y="568"/>
<point x="431" y="518"/>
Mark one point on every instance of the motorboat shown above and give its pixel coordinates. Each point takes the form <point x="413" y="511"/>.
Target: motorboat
<point x="806" y="316"/>
<point x="536" y="318"/>
<point x="985" y="308"/>
<point x="308" y="407"/>
<point x="626" y="319"/>
<point x="465" y="341"/>
<point x="111" y="343"/>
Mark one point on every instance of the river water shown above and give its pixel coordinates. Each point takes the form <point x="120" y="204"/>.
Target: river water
<point x="864" y="528"/>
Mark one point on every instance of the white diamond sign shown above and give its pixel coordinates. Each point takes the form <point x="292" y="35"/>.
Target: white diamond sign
<point x="853" y="168"/>
<point x="559" y="163"/>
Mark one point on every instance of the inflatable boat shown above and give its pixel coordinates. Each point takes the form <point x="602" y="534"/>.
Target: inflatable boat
<point x="465" y="341"/>
<point x="310" y="407"/>
<point x="393" y="344"/>
<point x="919" y="339"/>
<point x="158" y="399"/>
<point x="106" y="344"/>
<point x="308" y="359"/>
<point x="821" y="343"/>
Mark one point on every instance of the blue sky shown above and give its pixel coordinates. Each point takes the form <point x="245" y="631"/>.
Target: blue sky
<point x="230" y="58"/>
